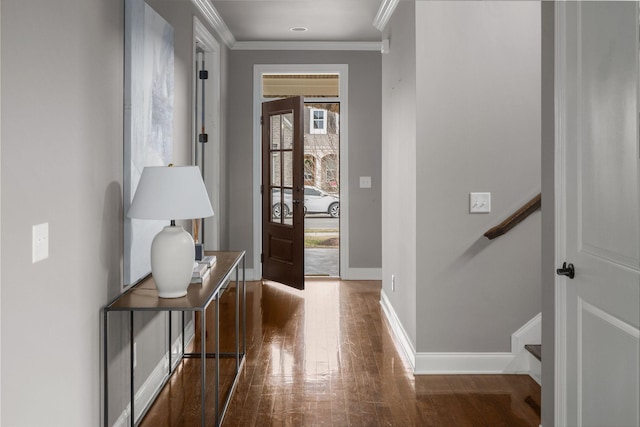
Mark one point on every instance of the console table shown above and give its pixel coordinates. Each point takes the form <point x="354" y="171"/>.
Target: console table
<point x="144" y="297"/>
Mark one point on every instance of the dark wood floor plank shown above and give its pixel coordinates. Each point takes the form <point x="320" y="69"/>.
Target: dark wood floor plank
<point x="325" y="357"/>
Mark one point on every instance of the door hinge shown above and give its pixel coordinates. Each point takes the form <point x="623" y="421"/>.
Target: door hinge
<point x="203" y="137"/>
<point x="261" y="120"/>
<point x="261" y="189"/>
<point x="203" y="74"/>
<point x="261" y="258"/>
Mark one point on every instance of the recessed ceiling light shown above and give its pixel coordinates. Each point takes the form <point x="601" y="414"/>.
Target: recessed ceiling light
<point x="298" y="29"/>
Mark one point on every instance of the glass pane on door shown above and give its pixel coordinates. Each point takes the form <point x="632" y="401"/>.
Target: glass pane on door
<point x="287" y="131"/>
<point x="287" y="160"/>
<point x="281" y="172"/>
<point x="275" y="131"/>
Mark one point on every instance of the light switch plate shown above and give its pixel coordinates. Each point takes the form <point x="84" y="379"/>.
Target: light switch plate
<point x="365" y="182"/>
<point x="479" y="202"/>
<point x="40" y="242"/>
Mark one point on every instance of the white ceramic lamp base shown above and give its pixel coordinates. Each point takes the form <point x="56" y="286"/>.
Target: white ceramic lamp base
<point x="172" y="255"/>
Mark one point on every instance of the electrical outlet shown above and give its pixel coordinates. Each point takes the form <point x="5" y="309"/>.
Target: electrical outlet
<point x="393" y="283"/>
<point x="365" y="182"/>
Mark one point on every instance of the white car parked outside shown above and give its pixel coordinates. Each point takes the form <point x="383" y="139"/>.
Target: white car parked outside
<point x="315" y="201"/>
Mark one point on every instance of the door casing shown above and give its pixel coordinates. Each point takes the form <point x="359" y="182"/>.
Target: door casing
<point x="213" y="120"/>
<point x="343" y="99"/>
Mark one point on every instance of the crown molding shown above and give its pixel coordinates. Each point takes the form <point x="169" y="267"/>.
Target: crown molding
<point x="216" y="21"/>
<point x="384" y="13"/>
<point x="307" y="45"/>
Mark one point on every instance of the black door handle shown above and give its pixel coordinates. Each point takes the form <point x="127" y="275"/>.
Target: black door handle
<point x="567" y="270"/>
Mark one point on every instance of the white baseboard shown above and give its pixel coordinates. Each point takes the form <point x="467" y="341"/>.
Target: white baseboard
<point x="361" y="274"/>
<point x="252" y="274"/>
<point x="152" y="384"/>
<point x="530" y="333"/>
<point x="347" y="274"/>
<point x="516" y="361"/>
<point x="400" y="335"/>
<point x="535" y="369"/>
<point x="461" y="363"/>
<point x="523" y="361"/>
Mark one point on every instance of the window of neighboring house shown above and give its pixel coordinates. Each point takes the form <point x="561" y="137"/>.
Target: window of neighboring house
<point x="309" y="170"/>
<point x="318" y="123"/>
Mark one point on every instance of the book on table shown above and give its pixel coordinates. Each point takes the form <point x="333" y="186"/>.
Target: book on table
<point x="200" y="272"/>
<point x="208" y="260"/>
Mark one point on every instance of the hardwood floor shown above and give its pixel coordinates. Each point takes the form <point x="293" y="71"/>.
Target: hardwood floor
<point x="325" y="357"/>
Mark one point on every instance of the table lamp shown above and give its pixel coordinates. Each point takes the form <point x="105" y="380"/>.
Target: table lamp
<point x="171" y="193"/>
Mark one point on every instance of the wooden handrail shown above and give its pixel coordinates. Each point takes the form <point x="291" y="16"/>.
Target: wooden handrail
<point x="518" y="216"/>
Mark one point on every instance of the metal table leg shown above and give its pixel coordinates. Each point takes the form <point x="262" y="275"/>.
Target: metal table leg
<point x="106" y="367"/>
<point x="203" y="360"/>
<point x="244" y="309"/>
<point x="237" y="320"/>
<point x="217" y="356"/>
<point x="133" y="374"/>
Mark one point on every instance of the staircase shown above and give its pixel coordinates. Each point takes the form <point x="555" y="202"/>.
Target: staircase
<point x="535" y="361"/>
<point x="527" y="357"/>
<point x="529" y="361"/>
<point x="535" y="350"/>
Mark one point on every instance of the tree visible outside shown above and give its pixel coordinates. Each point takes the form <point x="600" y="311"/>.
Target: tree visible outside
<point x="322" y="146"/>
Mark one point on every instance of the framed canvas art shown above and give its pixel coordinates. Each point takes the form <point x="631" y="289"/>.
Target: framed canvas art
<point x="148" y="122"/>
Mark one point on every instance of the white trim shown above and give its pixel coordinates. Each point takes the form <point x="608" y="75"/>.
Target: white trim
<point x="343" y="71"/>
<point x="216" y="21"/>
<point x="529" y="333"/>
<point x="146" y="392"/>
<point x="362" y="273"/>
<point x="253" y="274"/>
<point x="524" y="362"/>
<point x="306" y="45"/>
<point x="535" y="369"/>
<point x="213" y="125"/>
<point x="462" y="363"/>
<point x="387" y="7"/>
<point x="1" y="233"/>
<point x="398" y="330"/>
<point x="151" y="386"/>
<point x="202" y="34"/>
<point x="516" y="361"/>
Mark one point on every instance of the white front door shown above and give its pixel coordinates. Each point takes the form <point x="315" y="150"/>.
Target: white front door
<point x="598" y="311"/>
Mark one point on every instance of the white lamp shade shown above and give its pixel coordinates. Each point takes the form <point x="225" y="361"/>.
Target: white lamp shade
<point x="170" y="192"/>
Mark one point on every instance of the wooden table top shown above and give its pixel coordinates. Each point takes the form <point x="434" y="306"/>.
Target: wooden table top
<point x="143" y="296"/>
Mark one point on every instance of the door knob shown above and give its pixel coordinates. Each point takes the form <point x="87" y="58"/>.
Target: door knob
<point x="566" y="270"/>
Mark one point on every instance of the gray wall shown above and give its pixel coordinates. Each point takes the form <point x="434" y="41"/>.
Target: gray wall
<point x="477" y="129"/>
<point x="399" y="166"/>
<point x="364" y="147"/>
<point x="478" y="103"/>
<point x="180" y="13"/>
<point x="62" y="164"/>
<point x="62" y="136"/>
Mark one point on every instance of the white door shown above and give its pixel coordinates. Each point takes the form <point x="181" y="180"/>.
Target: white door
<point x="598" y="311"/>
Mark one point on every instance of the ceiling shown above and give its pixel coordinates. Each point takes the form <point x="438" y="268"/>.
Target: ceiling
<point x="326" y="20"/>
